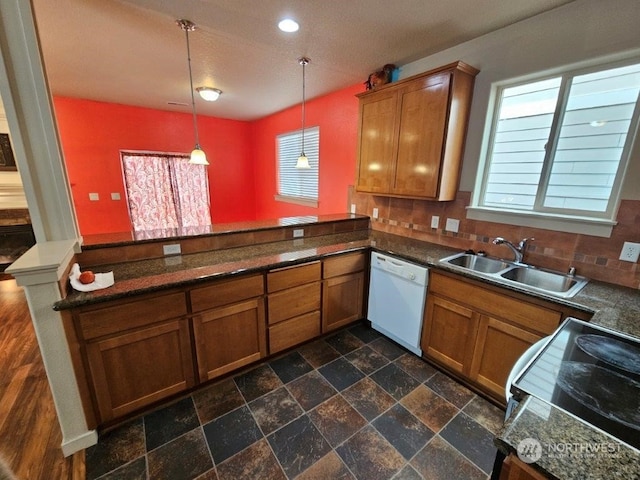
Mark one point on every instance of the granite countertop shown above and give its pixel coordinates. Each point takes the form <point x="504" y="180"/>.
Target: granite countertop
<point x="568" y="448"/>
<point x="612" y="306"/>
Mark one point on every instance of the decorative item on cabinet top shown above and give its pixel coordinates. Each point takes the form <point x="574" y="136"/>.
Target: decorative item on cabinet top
<point x="412" y="134"/>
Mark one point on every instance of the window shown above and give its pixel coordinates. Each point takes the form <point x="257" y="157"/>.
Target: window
<point x="298" y="185"/>
<point x="559" y="146"/>
<point x="165" y="191"/>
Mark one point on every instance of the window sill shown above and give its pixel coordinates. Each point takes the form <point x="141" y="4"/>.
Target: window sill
<point x="581" y="225"/>
<point x="307" y="202"/>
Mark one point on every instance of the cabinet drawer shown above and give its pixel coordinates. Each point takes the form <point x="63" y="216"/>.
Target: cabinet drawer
<point x="528" y="315"/>
<point x="116" y="318"/>
<point x="293" y="302"/>
<point x="225" y="292"/>
<point x="288" y="277"/>
<point x="342" y="265"/>
<point x="294" y="331"/>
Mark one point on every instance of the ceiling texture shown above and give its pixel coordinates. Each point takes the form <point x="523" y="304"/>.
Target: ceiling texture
<point x="132" y="52"/>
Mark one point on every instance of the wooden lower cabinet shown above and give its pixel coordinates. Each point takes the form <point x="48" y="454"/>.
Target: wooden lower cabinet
<point x="478" y="331"/>
<point x="294" y="303"/>
<point x="451" y="334"/>
<point x="343" y="289"/>
<point x="136" y="368"/>
<point x="229" y="337"/>
<point x="515" y="469"/>
<point x="498" y="346"/>
<point x="229" y="328"/>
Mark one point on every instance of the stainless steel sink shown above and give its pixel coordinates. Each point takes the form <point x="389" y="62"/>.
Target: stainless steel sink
<point x="478" y="263"/>
<point x="524" y="276"/>
<point x="543" y="279"/>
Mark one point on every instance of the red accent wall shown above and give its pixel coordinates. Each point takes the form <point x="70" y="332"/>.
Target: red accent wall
<point x="337" y="116"/>
<point x="242" y="171"/>
<point x="93" y="133"/>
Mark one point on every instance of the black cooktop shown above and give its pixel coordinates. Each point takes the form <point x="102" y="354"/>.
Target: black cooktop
<point x="591" y="372"/>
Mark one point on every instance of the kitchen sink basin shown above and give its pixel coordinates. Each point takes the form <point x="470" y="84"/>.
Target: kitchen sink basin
<point x="478" y="263"/>
<point x="526" y="277"/>
<point x="542" y="279"/>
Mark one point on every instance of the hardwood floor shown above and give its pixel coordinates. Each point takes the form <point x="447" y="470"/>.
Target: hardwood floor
<point x="30" y="436"/>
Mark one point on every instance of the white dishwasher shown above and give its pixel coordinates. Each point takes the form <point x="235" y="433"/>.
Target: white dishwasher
<point x="397" y="292"/>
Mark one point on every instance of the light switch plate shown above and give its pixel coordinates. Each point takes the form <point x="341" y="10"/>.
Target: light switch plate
<point x="94" y="197"/>
<point x="452" y="225"/>
<point x="435" y="221"/>
<point x="173" y="249"/>
<point x="298" y="233"/>
<point x="630" y="252"/>
<point x="375" y="213"/>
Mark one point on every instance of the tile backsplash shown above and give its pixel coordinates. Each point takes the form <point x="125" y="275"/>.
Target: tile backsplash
<point x="593" y="257"/>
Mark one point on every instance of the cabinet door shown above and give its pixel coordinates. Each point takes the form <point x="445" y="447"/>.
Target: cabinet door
<point x="498" y="347"/>
<point x="342" y="300"/>
<point x="449" y="333"/>
<point x="229" y="337"/>
<point x="377" y="142"/>
<point x="135" y="369"/>
<point x="423" y="117"/>
<point x="515" y="469"/>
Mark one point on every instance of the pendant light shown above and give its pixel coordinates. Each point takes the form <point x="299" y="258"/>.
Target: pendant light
<point x="303" y="161"/>
<point x="198" y="157"/>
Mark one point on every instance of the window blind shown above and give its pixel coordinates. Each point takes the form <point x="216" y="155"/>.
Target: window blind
<point x="292" y="181"/>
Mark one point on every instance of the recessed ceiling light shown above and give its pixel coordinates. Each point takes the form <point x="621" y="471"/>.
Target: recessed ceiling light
<point x="288" y="25"/>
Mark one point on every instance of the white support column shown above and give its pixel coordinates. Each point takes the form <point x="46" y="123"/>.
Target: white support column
<point x="39" y="271"/>
<point x="34" y="137"/>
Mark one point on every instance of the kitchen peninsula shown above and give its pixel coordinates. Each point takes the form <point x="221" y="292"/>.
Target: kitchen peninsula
<point x="224" y="257"/>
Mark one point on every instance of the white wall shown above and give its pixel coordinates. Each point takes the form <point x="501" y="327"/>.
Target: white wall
<point x="574" y="33"/>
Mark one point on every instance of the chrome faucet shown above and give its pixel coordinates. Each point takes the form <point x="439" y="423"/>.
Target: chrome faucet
<point x="518" y="251"/>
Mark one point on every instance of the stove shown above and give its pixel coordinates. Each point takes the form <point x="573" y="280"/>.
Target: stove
<point x="592" y="373"/>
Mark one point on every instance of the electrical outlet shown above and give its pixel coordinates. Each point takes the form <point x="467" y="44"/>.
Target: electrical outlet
<point x="353" y="208"/>
<point x="173" y="249"/>
<point x="435" y="221"/>
<point x="298" y="233"/>
<point x="452" y="225"/>
<point x="630" y="252"/>
<point x="375" y="213"/>
<point x="94" y="197"/>
<point x="115" y="196"/>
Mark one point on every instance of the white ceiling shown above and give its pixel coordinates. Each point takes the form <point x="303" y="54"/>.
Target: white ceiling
<point x="132" y="52"/>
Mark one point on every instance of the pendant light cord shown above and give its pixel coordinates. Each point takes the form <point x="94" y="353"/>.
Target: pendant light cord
<point x="304" y="63"/>
<point x="193" y="100"/>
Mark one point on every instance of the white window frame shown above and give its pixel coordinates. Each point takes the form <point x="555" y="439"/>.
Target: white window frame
<point x="553" y="219"/>
<point x="286" y="164"/>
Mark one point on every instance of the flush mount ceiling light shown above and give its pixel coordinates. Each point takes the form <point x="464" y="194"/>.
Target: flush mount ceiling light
<point x="209" y="94"/>
<point x="198" y="157"/>
<point x="288" y="25"/>
<point x="303" y="161"/>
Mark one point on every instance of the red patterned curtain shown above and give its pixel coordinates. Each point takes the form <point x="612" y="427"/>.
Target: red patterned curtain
<point x="165" y="191"/>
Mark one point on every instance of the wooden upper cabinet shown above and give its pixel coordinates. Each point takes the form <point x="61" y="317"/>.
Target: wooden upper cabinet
<point x="377" y="142"/>
<point x="412" y="134"/>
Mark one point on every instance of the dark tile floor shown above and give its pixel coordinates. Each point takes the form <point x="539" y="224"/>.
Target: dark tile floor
<point x="351" y="406"/>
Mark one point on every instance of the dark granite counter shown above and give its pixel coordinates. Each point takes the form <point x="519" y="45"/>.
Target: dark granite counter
<point x="567" y="448"/>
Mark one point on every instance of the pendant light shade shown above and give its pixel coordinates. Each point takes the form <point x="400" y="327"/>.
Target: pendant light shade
<point x="303" y="161"/>
<point x="198" y="157"/>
